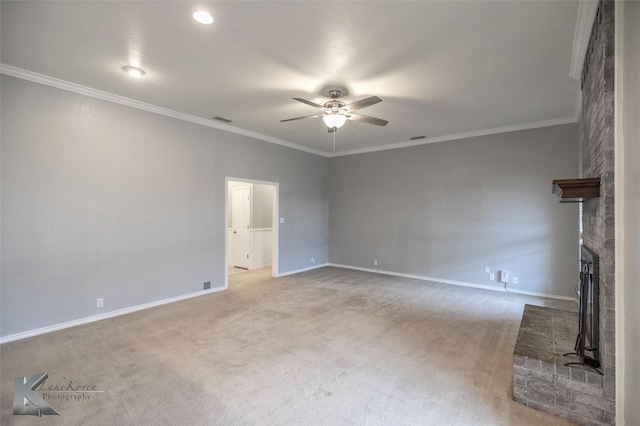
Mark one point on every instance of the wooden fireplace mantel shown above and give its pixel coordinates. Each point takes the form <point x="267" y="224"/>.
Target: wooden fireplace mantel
<point x="576" y="190"/>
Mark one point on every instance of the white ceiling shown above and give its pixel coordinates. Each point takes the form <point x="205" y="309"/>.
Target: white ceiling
<point x="441" y="68"/>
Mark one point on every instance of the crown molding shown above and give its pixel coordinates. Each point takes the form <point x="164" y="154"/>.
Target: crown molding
<point x="505" y="129"/>
<point x="110" y="97"/>
<point x="584" y="23"/>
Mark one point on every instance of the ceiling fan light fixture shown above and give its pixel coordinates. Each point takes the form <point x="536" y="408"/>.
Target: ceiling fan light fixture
<point x="334" y="120"/>
<point x="203" y="17"/>
<point x="133" y="71"/>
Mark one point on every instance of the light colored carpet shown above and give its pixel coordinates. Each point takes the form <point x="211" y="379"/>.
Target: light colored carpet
<point x="328" y="346"/>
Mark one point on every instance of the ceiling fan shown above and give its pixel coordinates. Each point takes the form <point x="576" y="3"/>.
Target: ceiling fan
<point x="335" y="112"/>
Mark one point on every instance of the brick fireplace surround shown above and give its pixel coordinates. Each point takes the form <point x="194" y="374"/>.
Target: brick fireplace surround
<point x="540" y="378"/>
<point x="542" y="381"/>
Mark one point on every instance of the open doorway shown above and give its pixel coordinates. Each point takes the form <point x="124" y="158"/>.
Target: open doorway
<point x="251" y="226"/>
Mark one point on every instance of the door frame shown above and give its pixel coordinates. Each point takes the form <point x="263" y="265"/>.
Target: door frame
<point x="275" y="224"/>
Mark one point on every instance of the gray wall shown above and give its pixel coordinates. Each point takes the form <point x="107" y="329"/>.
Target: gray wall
<point x="102" y="200"/>
<point x="262" y="206"/>
<point x="631" y="209"/>
<point x="447" y="210"/>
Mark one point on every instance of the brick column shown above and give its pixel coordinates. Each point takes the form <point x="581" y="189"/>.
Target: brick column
<point x="597" y="131"/>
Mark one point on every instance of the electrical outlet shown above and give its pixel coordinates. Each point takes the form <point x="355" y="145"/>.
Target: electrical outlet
<point x="100" y="302"/>
<point x="487" y="270"/>
<point x="282" y="220"/>
<point x="492" y="277"/>
<point x="375" y="263"/>
<point x="504" y="276"/>
<point x="515" y="280"/>
<point x="207" y="285"/>
<point x="313" y="261"/>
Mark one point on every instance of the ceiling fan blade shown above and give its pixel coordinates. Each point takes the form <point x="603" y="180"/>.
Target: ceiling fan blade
<point x="300" y="118"/>
<point x="363" y="103"/>
<point x="313" y="104"/>
<point x="366" y="119"/>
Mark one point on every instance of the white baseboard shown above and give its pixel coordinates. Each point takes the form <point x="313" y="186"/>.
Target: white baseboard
<point x="255" y="268"/>
<point x="297" y="271"/>
<point x="111" y="314"/>
<point x="452" y="282"/>
<point x="124" y="311"/>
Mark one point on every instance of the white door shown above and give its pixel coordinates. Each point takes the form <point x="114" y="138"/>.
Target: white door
<point x="241" y="215"/>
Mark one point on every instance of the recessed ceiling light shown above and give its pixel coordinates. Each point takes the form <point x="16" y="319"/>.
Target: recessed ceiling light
<point x="203" y="17"/>
<point x="133" y="71"/>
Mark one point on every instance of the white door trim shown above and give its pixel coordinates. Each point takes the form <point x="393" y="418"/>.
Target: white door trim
<point x="276" y="224"/>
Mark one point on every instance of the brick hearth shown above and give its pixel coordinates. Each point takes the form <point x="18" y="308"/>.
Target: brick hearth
<point x="542" y="381"/>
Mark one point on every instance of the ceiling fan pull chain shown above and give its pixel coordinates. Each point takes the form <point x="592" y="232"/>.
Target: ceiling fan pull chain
<point x="334" y="140"/>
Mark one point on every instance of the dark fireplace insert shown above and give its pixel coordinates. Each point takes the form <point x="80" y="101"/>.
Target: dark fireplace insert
<point x="587" y="342"/>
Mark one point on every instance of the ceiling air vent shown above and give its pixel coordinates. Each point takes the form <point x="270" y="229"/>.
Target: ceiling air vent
<point x="415" y="138"/>
<point x="222" y="119"/>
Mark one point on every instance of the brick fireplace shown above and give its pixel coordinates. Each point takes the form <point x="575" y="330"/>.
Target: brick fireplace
<point x="597" y="146"/>
<point x="540" y="378"/>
